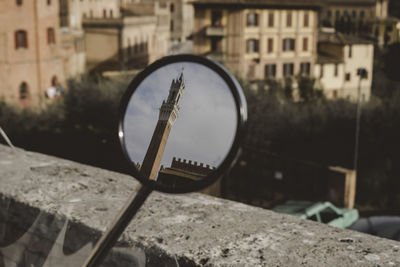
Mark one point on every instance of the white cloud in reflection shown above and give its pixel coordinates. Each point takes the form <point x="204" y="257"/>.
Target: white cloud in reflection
<point x="207" y="121"/>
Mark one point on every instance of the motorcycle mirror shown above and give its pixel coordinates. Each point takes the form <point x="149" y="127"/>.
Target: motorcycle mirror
<point x="180" y="127"/>
<point x="181" y="122"/>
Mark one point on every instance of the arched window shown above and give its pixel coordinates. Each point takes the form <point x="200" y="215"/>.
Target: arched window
<point x="19" y="2"/>
<point x="51" y="37"/>
<point x="21" y="39"/>
<point x="24" y="97"/>
<point x="48" y="2"/>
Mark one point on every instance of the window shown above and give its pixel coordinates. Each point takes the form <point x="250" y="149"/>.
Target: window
<point x="288" y="69"/>
<point x="313" y="218"/>
<point x="329" y="13"/>
<point x="216" y="44"/>
<point x="348" y="77"/>
<point x="346" y="13"/>
<point x="171" y="25"/>
<point x="104" y="13"/>
<point x="24" y="96"/>
<point x="48" y="2"/>
<point x="289" y="19"/>
<point x="21" y="39"/>
<point x="321" y="75"/>
<point x="336" y="70"/>
<point x="305" y="68"/>
<point x="362" y="14"/>
<point x="270" y="71"/>
<point x="271" y="19"/>
<point x="305" y="44"/>
<point x="306" y="19"/>
<point x="288" y="44"/>
<point x="270" y="45"/>
<point x="350" y="51"/>
<point x="328" y="215"/>
<point x="51" y="38"/>
<point x="111" y="13"/>
<point x="334" y="94"/>
<point x="337" y="14"/>
<point x="172" y="8"/>
<point x="129" y="47"/>
<point x="354" y="14"/>
<point x="216" y="18"/>
<point x="19" y="2"/>
<point x="252" y="46"/>
<point x="23" y="91"/>
<point x="252" y="19"/>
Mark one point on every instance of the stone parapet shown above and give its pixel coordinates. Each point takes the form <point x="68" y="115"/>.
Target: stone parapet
<point x="171" y="230"/>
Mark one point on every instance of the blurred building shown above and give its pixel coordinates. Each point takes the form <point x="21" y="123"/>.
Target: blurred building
<point x="339" y="58"/>
<point x="361" y="17"/>
<point x="182" y="20"/>
<point x="30" y="50"/>
<point x="129" y="39"/>
<point x="258" y="39"/>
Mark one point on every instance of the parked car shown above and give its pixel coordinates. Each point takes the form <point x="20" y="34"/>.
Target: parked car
<point x="382" y="226"/>
<point x="323" y="212"/>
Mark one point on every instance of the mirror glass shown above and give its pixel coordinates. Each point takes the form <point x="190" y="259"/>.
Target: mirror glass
<point x="180" y="124"/>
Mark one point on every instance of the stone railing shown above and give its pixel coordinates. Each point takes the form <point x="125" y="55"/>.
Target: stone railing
<point x="75" y="203"/>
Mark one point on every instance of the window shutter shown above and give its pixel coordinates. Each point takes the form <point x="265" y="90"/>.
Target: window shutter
<point x="16" y="39"/>
<point x="26" y="38"/>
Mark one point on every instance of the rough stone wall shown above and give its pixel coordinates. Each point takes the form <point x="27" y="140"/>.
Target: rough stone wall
<point x="189" y="230"/>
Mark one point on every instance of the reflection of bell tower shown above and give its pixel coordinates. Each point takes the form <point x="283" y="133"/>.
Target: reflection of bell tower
<point x="168" y="113"/>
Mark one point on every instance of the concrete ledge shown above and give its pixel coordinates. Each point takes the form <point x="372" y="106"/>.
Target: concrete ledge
<point x="189" y="230"/>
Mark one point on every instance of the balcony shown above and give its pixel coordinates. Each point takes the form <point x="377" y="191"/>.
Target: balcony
<point x="215" y="31"/>
<point x="215" y="56"/>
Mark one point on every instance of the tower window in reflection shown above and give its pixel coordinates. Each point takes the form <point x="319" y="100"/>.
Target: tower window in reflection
<point x="180" y="123"/>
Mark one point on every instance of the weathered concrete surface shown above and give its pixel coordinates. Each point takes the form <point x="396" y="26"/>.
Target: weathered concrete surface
<point x="193" y="229"/>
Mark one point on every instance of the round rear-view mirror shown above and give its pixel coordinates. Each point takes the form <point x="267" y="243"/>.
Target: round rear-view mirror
<point x="181" y="122"/>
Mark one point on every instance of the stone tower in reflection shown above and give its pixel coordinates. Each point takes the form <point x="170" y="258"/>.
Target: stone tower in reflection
<point x="168" y="113"/>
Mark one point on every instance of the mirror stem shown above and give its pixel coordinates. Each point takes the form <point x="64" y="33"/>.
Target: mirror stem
<point x="110" y="237"/>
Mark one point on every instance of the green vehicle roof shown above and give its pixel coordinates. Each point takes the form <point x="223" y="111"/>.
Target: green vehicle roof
<point x="307" y="209"/>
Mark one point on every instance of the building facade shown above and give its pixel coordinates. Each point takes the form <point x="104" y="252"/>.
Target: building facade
<point x="30" y="50"/>
<point x="138" y="36"/>
<point x="369" y="18"/>
<point x="340" y="57"/>
<point x="258" y="40"/>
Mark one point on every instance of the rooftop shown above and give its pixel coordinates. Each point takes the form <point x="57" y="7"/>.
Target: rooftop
<point x="340" y="38"/>
<point x="262" y="3"/>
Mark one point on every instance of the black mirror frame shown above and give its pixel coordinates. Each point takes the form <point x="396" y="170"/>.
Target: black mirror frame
<point x="241" y="108"/>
